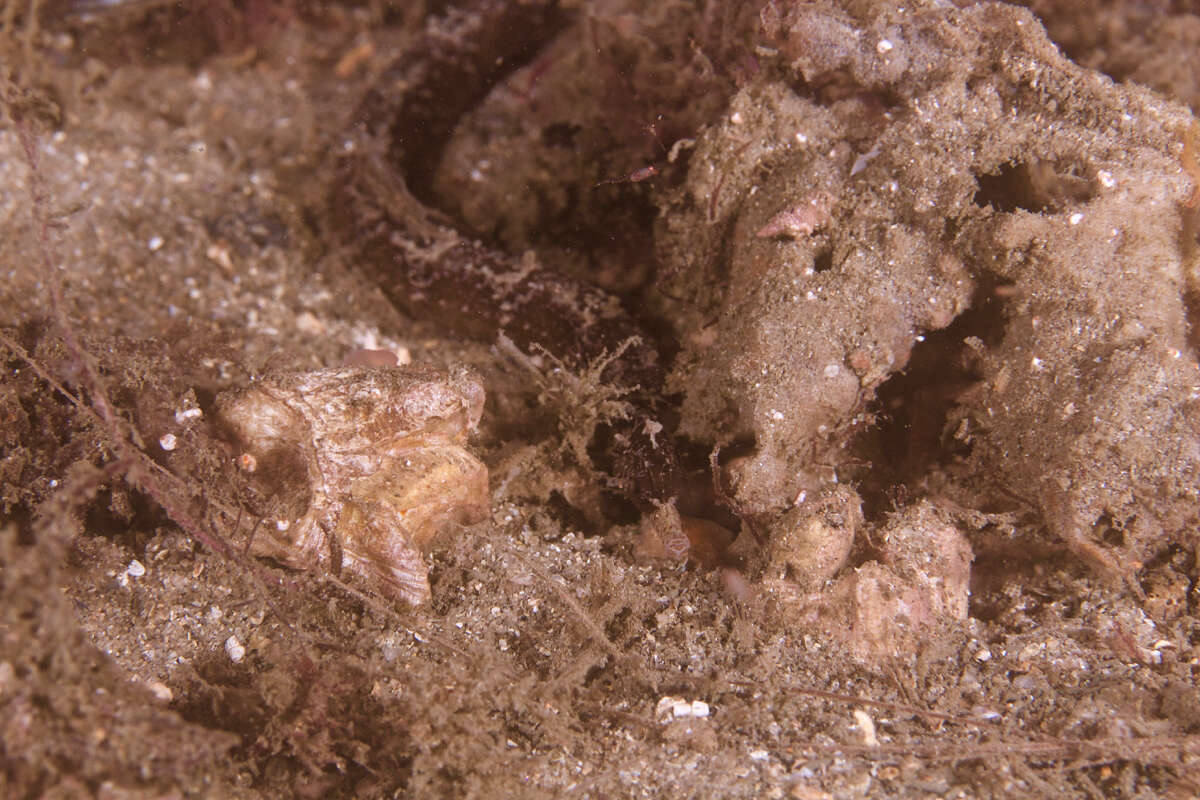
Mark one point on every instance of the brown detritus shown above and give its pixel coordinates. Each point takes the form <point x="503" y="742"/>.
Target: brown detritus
<point x="363" y="468"/>
<point x="1188" y="159"/>
<point x="69" y="714"/>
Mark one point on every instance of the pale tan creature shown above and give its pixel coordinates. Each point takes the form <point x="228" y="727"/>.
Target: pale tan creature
<point x="362" y="466"/>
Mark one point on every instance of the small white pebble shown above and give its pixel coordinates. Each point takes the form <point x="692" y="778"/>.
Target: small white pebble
<point x="155" y="243"/>
<point x="736" y="118"/>
<point x="1106" y="179"/>
<point x="867" y="726"/>
<point x="983" y="656"/>
<point x="219" y="255"/>
<point x="136" y="569"/>
<point x="307" y="322"/>
<point x="167" y="441"/>
<point x="664" y="705"/>
<point x="801" y="138"/>
<point x="203" y="82"/>
<point x="832" y="370"/>
<point x="184" y="415"/>
<point x="1075" y="218"/>
<point x="759" y="755"/>
<point x="81" y="158"/>
<point x="234" y="649"/>
<point x="776" y="415"/>
<point x="883" y="46"/>
<point x="161" y="691"/>
<point x="282" y="525"/>
<point x="1037" y="364"/>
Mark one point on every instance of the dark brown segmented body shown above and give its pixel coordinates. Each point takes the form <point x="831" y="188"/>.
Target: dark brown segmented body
<point x="429" y="269"/>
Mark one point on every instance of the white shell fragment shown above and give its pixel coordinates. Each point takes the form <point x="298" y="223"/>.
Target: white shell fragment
<point x="367" y="464"/>
<point x="669" y="708"/>
<point x="235" y="649"/>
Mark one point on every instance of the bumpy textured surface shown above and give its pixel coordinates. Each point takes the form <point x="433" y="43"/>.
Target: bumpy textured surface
<point x="1010" y="176"/>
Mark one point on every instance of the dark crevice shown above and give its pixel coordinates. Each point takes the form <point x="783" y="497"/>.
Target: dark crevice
<point x="917" y="428"/>
<point x="1110" y="530"/>
<point x="1008" y="189"/>
<point x="569" y="516"/>
<point x="823" y="259"/>
<point x="1035" y="186"/>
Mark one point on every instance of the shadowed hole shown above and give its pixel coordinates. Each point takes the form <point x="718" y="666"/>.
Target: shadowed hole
<point x="1036" y="186"/>
<point x="919" y="420"/>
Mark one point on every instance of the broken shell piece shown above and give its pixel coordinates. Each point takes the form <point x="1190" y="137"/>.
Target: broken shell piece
<point x="367" y="464"/>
